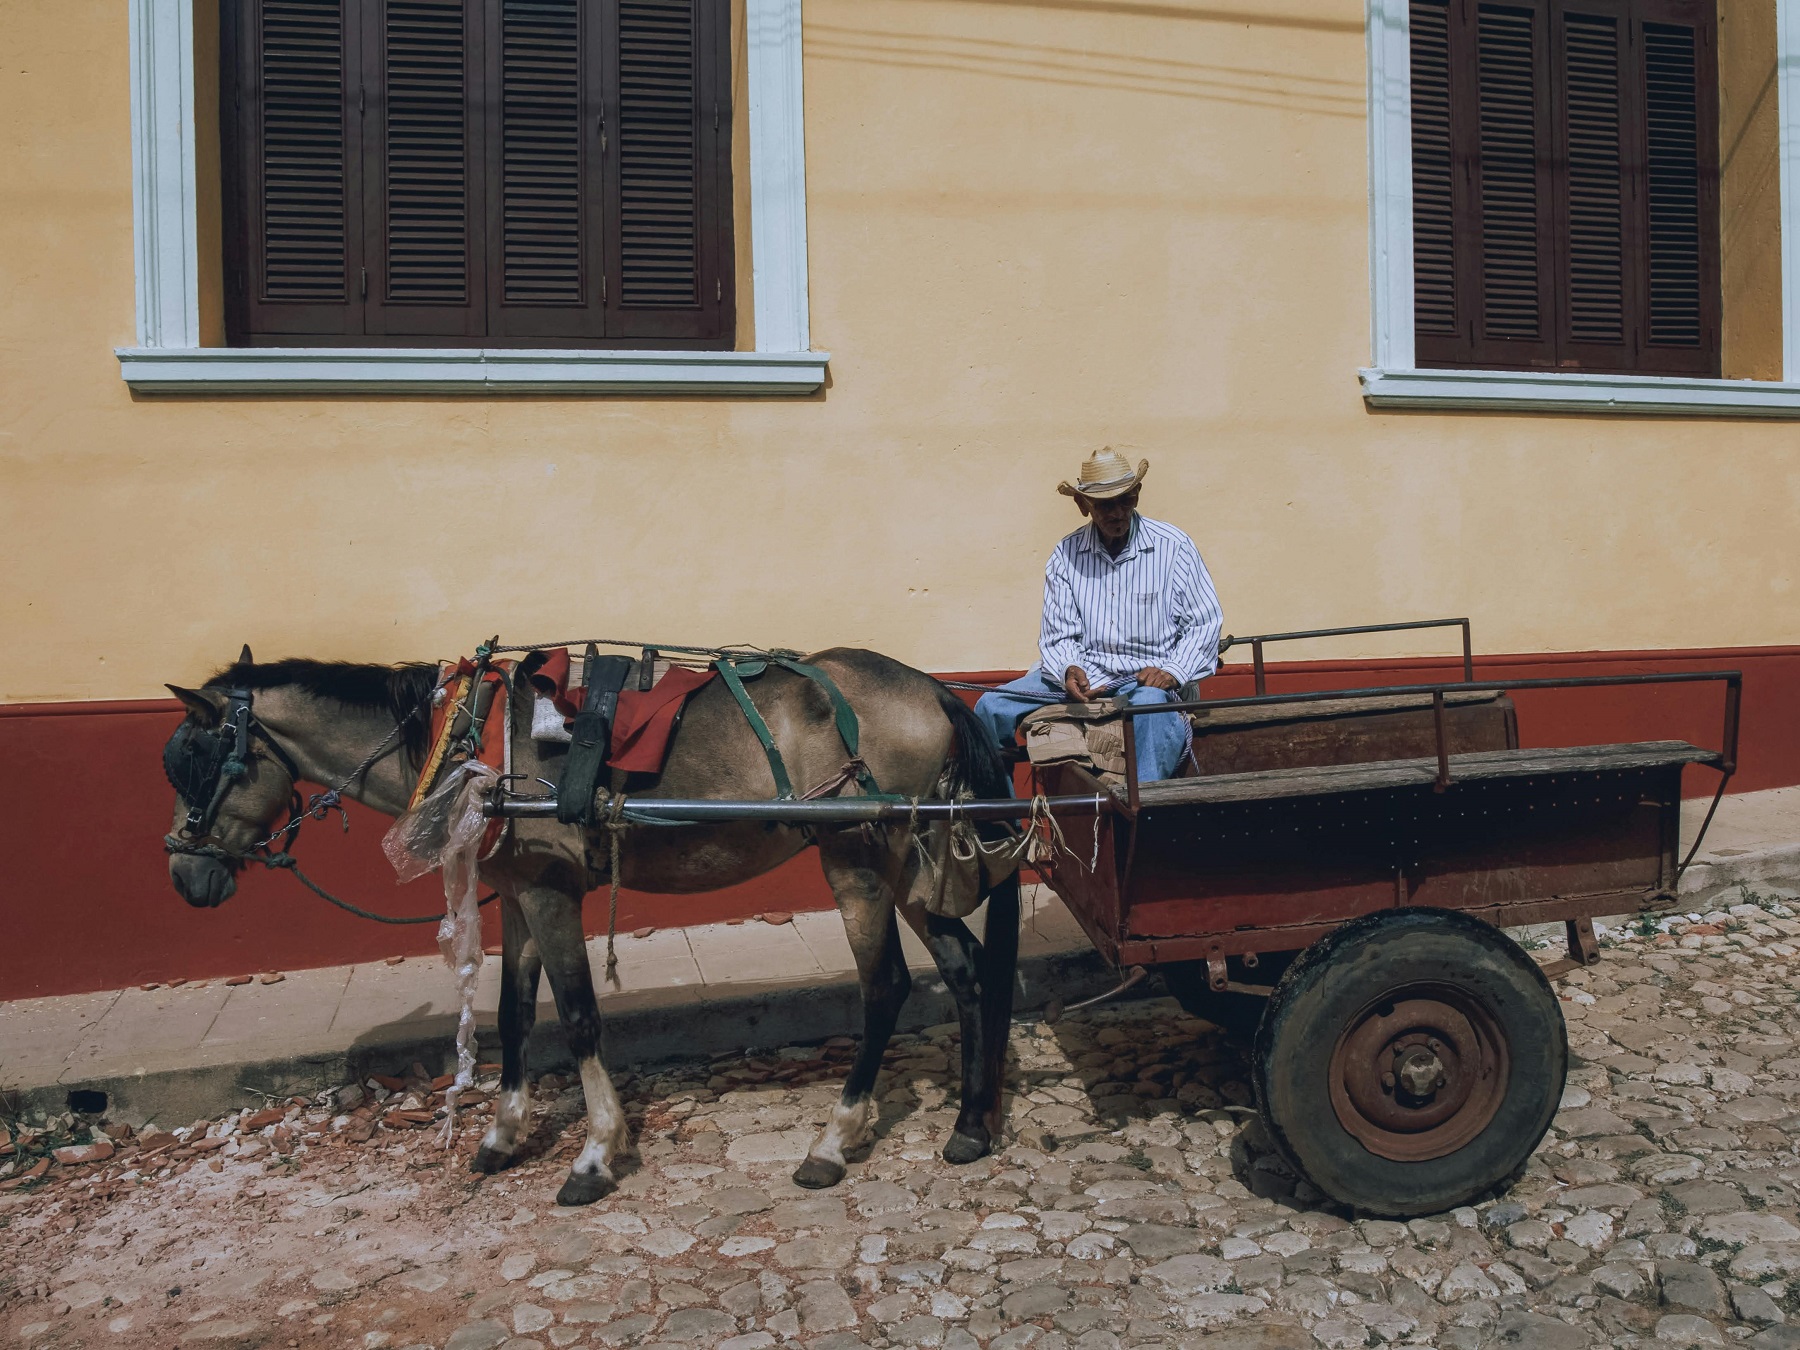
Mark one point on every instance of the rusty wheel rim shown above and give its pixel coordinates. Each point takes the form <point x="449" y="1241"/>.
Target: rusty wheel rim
<point x="1419" y="1072"/>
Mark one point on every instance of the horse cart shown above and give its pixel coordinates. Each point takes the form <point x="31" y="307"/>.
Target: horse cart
<point x="1332" y="882"/>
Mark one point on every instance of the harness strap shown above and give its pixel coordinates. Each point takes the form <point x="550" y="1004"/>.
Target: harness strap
<point x="784" y="787"/>
<point x="590" y="736"/>
<point x="844" y="715"/>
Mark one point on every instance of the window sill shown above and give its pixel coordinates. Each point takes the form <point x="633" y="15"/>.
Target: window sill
<point x="401" y="370"/>
<point x="1575" y="392"/>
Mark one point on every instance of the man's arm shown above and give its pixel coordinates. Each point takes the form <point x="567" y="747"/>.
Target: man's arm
<point x="1059" y="634"/>
<point x="1198" y="619"/>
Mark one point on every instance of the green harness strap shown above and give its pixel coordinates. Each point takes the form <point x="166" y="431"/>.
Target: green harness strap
<point x="784" y="787"/>
<point x="845" y="716"/>
<point x="842" y="714"/>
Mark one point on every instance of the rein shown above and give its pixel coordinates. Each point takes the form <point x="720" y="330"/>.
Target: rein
<point x="224" y="757"/>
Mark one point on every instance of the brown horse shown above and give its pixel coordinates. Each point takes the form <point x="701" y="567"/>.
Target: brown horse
<point x="319" y="721"/>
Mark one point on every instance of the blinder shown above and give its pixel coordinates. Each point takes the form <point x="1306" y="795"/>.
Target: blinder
<point x="201" y="763"/>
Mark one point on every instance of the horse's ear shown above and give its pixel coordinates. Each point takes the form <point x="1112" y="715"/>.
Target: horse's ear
<point x="244" y="657"/>
<point x="198" y="704"/>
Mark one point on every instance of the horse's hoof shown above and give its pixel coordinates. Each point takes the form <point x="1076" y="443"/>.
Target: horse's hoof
<point x="818" y="1173"/>
<point x="583" y="1188"/>
<point x="966" y="1146"/>
<point x="490" y="1160"/>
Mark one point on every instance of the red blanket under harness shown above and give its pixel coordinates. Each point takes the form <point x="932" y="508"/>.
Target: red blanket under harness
<point x="644" y="721"/>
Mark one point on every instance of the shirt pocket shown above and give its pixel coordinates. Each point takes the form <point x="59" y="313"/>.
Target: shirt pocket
<point x="1151" y="617"/>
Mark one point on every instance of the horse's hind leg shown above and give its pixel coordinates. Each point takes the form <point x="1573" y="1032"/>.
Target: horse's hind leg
<point x="865" y="898"/>
<point x="999" y="968"/>
<point x="555" y="919"/>
<point x="519" y="966"/>
<point x="960" y="961"/>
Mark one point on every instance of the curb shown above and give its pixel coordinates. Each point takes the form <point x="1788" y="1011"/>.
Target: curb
<point x="1763" y="869"/>
<point x="763" y="1017"/>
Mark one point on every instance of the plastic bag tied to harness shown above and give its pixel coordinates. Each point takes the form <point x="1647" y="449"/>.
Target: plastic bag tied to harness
<point x="443" y="833"/>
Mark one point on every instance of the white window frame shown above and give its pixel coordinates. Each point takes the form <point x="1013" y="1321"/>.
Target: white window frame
<point x="1395" y="381"/>
<point x="168" y="357"/>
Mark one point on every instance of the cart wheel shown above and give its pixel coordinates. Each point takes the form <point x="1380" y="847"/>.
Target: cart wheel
<point x="1237" y="1015"/>
<point x="1410" y="1061"/>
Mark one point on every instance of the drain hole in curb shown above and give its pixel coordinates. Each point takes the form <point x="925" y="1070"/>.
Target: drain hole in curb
<point x="87" y="1102"/>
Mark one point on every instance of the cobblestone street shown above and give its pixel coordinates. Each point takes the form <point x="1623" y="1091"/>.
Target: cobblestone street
<point x="1134" y="1207"/>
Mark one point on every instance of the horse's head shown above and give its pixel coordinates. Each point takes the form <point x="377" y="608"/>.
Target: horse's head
<point x="231" y="784"/>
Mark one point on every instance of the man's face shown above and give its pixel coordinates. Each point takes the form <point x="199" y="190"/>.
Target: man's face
<point x="1111" y="516"/>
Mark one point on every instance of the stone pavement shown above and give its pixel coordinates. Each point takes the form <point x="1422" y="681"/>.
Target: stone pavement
<point x="1137" y="1205"/>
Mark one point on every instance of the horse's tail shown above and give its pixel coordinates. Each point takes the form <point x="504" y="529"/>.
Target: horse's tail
<point x="979" y="765"/>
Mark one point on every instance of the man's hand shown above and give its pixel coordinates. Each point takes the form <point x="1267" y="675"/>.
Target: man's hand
<point x="1075" y="684"/>
<point x="1153" y="677"/>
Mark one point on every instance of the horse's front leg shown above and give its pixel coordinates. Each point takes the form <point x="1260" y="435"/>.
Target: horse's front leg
<point x="555" y="919"/>
<point x="519" y="966"/>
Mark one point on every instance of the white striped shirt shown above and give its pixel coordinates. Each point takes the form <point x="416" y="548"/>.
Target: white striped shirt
<point x="1153" y="605"/>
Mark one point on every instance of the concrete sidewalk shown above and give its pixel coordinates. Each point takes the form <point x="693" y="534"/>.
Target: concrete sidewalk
<point x="175" y="1054"/>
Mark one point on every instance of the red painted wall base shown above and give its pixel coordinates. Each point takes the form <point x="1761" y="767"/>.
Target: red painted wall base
<point x="88" y="903"/>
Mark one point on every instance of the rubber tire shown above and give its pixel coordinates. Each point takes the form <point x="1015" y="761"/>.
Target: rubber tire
<point x="1237" y="1015"/>
<point x="1332" y="983"/>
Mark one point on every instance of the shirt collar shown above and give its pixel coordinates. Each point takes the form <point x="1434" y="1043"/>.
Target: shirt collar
<point x="1139" y="541"/>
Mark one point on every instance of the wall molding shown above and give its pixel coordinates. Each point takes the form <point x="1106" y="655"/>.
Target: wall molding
<point x="777" y="175"/>
<point x="163" y="196"/>
<point x="1394" y="382"/>
<point x="168" y="357"/>
<point x="465" y="370"/>
<point x="1574" y="392"/>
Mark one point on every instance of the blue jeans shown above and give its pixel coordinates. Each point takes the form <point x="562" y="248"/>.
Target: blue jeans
<point x="1161" y="741"/>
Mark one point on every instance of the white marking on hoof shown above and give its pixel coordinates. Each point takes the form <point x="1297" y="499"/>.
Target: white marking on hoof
<point x="608" y="1134"/>
<point x="848" y="1129"/>
<point x="594" y="1160"/>
<point x="512" y="1120"/>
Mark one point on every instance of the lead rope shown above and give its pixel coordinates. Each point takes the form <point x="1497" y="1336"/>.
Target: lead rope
<point x="615" y="829"/>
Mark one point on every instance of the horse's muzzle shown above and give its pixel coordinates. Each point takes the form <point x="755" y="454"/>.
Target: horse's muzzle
<point x="203" y="882"/>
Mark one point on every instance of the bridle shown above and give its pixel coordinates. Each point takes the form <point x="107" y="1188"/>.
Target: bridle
<point x="203" y="763"/>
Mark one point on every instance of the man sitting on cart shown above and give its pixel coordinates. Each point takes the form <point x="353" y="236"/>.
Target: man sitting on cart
<point x="1128" y="609"/>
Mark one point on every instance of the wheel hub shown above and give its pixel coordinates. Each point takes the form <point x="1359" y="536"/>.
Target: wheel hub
<point x="1419" y="1073"/>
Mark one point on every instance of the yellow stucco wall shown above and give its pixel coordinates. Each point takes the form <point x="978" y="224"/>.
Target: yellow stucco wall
<point x="1749" y="192"/>
<point x="1035" y="226"/>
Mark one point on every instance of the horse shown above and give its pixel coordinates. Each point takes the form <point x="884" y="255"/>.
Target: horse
<point x="263" y="727"/>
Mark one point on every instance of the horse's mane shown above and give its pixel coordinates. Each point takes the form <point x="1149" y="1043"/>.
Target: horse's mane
<point x="397" y="690"/>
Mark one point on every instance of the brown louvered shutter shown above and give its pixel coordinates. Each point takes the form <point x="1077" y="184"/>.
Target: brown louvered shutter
<point x="1599" y="238"/>
<point x="291" y="212"/>
<point x="546" y="142"/>
<point x="1679" y="327"/>
<point x="460" y="172"/>
<point x="1514" y="313"/>
<point x="422" y="180"/>
<point x="1579" y="181"/>
<point x="1435" y="292"/>
<point x="668" y="189"/>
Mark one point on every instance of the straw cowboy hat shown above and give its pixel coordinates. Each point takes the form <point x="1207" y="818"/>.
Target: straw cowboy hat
<point x="1105" y="473"/>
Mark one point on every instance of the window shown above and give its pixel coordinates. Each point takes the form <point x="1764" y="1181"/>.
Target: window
<point x="1565" y="185"/>
<point x="526" y="173"/>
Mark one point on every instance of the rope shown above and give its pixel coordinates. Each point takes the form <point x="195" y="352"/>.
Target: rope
<point x="737" y="649"/>
<point x="1029" y="695"/>
<point x="287" y="862"/>
<point x="615" y="828"/>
